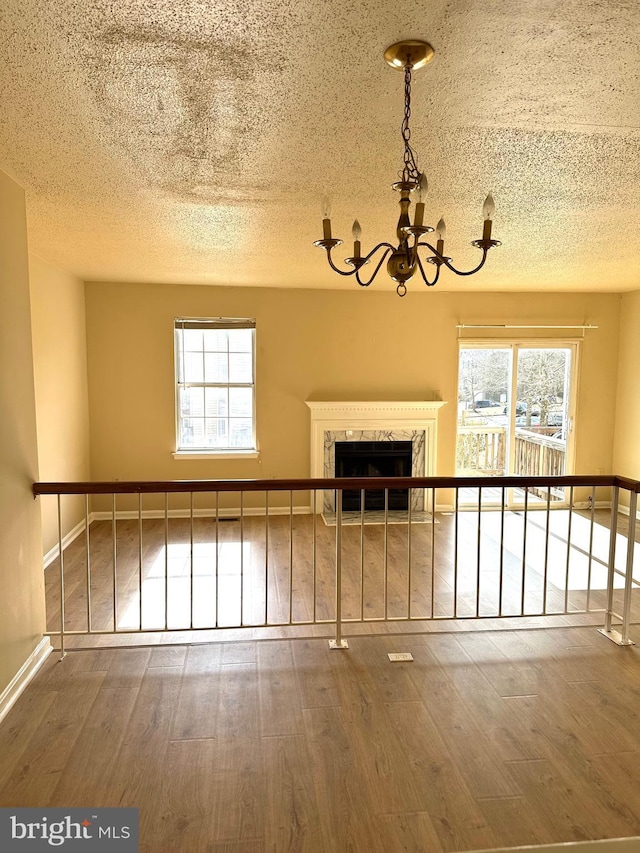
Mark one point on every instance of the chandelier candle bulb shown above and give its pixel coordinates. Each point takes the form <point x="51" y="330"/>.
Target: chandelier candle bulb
<point x="326" y="218"/>
<point x="441" y="230"/>
<point x="423" y="185"/>
<point x="356" y="231"/>
<point x="488" y="209"/>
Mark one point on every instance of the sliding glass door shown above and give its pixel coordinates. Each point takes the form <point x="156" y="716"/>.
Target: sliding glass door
<point x="515" y="415"/>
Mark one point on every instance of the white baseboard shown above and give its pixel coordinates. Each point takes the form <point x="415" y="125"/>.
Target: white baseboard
<point x="12" y="691"/>
<point x="206" y="512"/>
<point x="52" y="553"/>
<point x="587" y="505"/>
<point x="625" y="511"/>
<point x="537" y="507"/>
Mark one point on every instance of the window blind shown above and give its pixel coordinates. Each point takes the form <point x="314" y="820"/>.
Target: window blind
<point x="215" y="323"/>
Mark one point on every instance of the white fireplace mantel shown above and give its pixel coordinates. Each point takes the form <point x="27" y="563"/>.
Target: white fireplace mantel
<point x="417" y="417"/>
<point x="339" y="410"/>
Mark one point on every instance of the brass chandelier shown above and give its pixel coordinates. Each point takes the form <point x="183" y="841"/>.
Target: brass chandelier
<point x="404" y="259"/>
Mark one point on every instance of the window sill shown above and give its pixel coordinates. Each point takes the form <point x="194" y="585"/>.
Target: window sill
<point x="223" y="454"/>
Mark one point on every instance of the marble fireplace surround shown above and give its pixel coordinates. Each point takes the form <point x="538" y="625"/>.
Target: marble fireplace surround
<point x="415" y="421"/>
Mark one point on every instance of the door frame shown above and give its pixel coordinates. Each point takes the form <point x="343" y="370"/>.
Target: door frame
<point x="514" y="345"/>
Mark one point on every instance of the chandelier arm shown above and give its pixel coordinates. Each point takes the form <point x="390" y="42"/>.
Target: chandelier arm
<point x="443" y="260"/>
<point x="375" y="272"/>
<point x="424" y="275"/>
<point x="379" y="246"/>
<point x="337" y="269"/>
<point x="468" y="272"/>
<point x="353" y="271"/>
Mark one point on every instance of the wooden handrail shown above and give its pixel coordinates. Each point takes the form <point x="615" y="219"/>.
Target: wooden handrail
<point x="628" y="483"/>
<point x="162" y="486"/>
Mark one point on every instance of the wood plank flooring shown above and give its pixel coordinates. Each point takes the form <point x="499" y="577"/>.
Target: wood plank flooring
<point x="487" y="739"/>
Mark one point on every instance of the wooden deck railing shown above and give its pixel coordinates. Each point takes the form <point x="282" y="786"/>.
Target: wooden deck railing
<point x="483" y="449"/>
<point x="539" y="454"/>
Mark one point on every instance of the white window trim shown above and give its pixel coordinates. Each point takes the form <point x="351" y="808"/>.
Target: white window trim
<point x="205" y="452"/>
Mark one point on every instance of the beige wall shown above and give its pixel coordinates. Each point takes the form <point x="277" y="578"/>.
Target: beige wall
<point x="62" y="408"/>
<point x="21" y="577"/>
<point x="314" y="345"/>
<point x="626" y="456"/>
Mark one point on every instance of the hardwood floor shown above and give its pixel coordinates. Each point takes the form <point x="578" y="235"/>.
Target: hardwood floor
<point x="487" y="739"/>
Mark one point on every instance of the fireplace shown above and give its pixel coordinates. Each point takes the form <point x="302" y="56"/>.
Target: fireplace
<point x="373" y="459"/>
<point x="334" y="422"/>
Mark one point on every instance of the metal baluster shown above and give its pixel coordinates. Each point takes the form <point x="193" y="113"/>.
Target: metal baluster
<point x="315" y="557"/>
<point x="478" y="556"/>
<point x="88" y="551"/>
<point x="191" y="560"/>
<point x="61" y="567"/>
<point x="409" y="556"/>
<point x="140" y="558"/>
<point x="501" y="587"/>
<point x="241" y="559"/>
<point x="593" y="512"/>
<point x="266" y="557"/>
<point x="628" y="581"/>
<point x="386" y="551"/>
<point x="455" y="553"/>
<point x="362" y="500"/>
<point x="566" y="580"/>
<point x="166" y="561"/>
<point x="338" y="643"/>
<point x="546" y="553"/>
<point x="290" y="557"/>
<point x="217" y="562"/>
<point x="613" y="535"/>
<point x="433" y="553"/>
<point x="524" y="549"/>
<point x="115" y="560"/>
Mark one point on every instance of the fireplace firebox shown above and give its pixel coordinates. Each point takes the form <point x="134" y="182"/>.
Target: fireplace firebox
<point x="374" y="459"/>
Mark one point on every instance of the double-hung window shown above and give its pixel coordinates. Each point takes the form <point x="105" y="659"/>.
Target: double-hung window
<point x="215" y="385"/>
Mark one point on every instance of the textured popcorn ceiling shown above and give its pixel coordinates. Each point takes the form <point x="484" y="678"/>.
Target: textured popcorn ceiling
<point x="191" y="141"/>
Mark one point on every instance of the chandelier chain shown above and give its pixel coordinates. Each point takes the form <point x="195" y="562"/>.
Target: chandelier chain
<point x="410" y="172"/>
